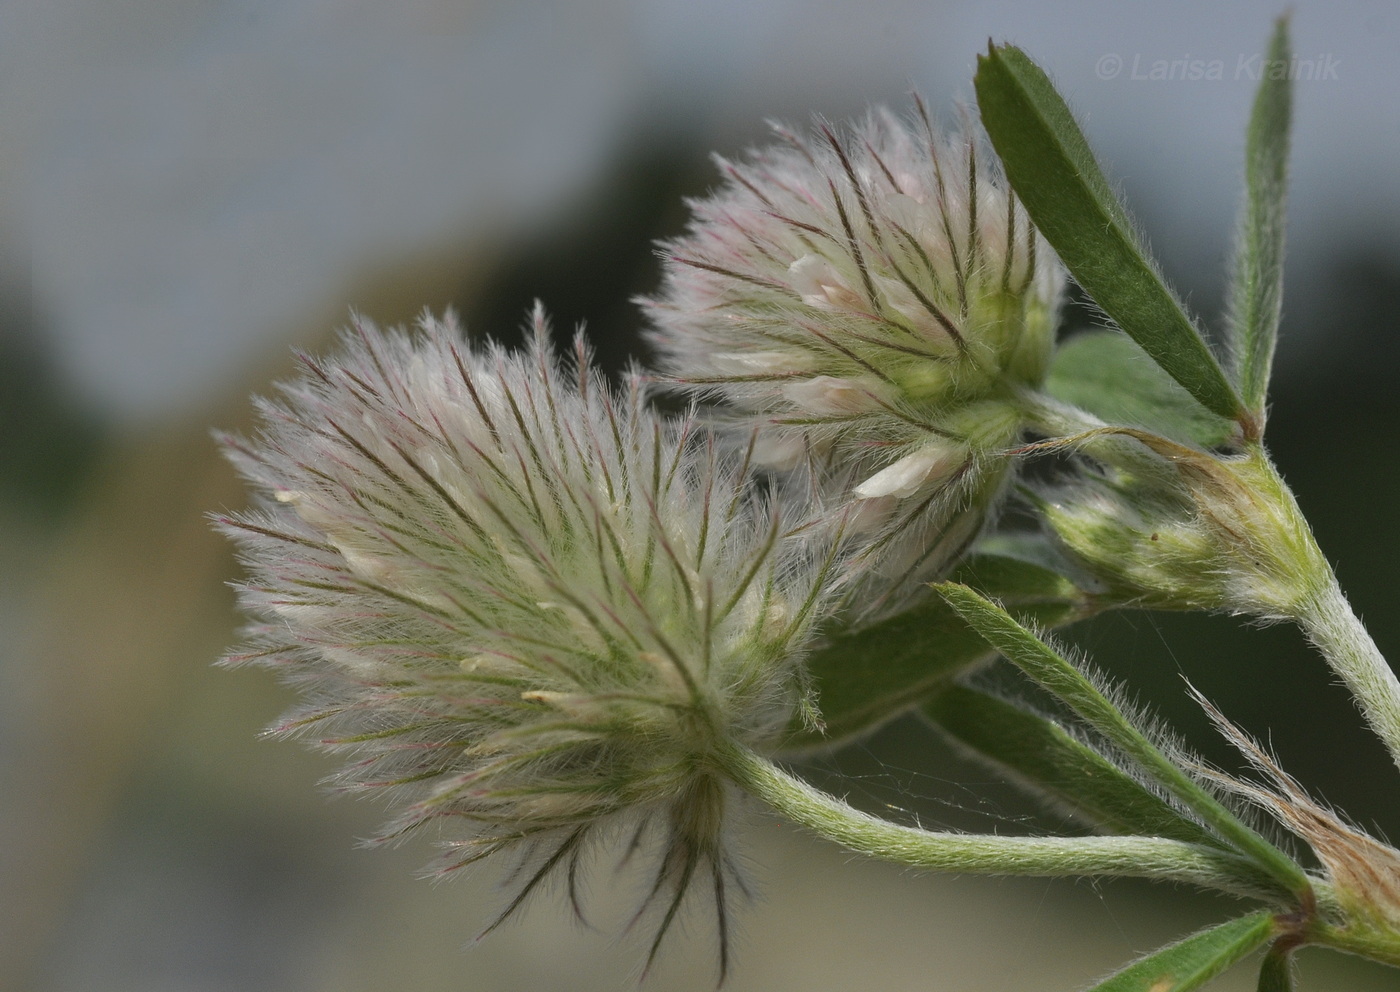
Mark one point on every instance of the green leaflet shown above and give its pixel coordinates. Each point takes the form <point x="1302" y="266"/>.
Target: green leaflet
<point x="1051" y="168"/>
<point x="865" y="676"/>
<point x="1190" y="963"/>
<point x="1256" y="291"/>
<point x="1042" y="755"/>
<point x="1054" y="673"/>
<point x="1107" y="374"/>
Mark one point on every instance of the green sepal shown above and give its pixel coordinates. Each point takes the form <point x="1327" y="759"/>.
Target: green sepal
<point x="1190" y="963"/>
<point x="1256" y="290"/>
<point x="1041" y="755"/>
<point x="865" y="676"/>
<point x="1051" y="168"/>
<point x="1109" y="375"/>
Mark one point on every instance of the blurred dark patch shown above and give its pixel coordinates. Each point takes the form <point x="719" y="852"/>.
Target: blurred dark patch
<point x="588" y="267"/>
<point x="49" y="438"/>
<point x="1352" y="333"/>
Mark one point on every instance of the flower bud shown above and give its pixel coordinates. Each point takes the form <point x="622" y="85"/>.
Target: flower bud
<point x="1149" y="551"/>
<point x="1167" y="526"/>
<point x="527" y="606"/>
<point x="855" y="297"/>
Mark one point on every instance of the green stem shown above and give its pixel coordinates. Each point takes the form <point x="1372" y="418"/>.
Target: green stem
<point x="1377" y="945"/>
<point x="1318" y="605"/>
<point x="1277" y="541"/>
<point x="1339" y="634"/>
<point x="983" y="854"/>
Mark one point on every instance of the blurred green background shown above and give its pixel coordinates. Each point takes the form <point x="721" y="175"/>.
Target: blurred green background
<point x="188" y="188"/>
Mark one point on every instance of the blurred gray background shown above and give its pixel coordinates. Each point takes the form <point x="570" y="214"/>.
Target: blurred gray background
<point x="187" y="187"/>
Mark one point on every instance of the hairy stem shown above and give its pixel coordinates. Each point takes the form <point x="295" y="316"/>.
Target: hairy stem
<point x="1321" y="609"/>
<point x="983" y="854"/>
<point x="1375" y="944"/>
<point x="1255" y="504"/>
<point x="1339" y="634"/>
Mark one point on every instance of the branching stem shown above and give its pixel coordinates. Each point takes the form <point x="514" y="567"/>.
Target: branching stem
<point x="984" y="854"/>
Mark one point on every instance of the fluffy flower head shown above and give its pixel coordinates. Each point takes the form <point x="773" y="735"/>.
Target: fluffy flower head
<point x="527" y="606"/>
<point x="869" y="302"/>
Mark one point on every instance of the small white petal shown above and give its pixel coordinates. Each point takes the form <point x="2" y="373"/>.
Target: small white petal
<point x="757" y="362"/>
<point x="869" y="514"/>
<point x="927" y="468"/>
<point x="820" y="285"/>
<point x="782" y="452"/>
<point x="826" y="395"/>
<point x="322" y="519"/>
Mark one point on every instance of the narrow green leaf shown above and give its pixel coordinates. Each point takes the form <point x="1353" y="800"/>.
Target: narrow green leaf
<point x="1276" y="973"/>
<point x="1054" y="673"/>
<point x="1043" y="756"/>
<point x="1021" y="575"/>
<point x="1190" y="963"/>
<point x="1051" y="168"/>
<point x="1109" y="375"/>
<point x="868" y="675"/>
<point x="864" y="677"/>
<point x="1256" y="293"/>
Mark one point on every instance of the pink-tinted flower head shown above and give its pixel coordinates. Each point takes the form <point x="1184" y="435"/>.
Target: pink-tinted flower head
<point x="525" y="605"/>
<point x="869" y="302"/>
